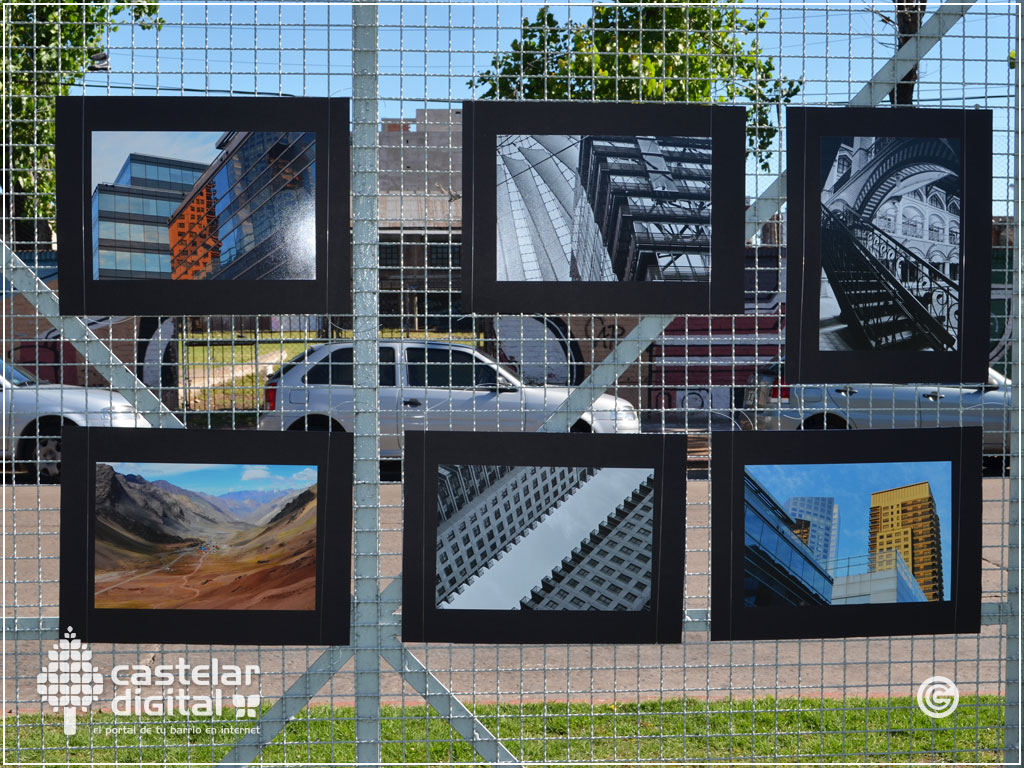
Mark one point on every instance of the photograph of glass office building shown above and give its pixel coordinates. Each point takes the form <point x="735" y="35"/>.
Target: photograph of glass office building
<point x="890" y="243"/>
<point x="603" y="208"/>
<point x="544" y="538"/>
<point x="179" y="205"/>
<point x="842" y="534"/>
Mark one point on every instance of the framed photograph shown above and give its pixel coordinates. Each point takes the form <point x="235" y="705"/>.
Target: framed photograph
<point x="543" y="538"/>
<point x="203" y="205"/>
<point x="845" y="534"/>
<point x="567" y="209"/>
<point x="206" y="536"/>
<point x="889" y="245"/>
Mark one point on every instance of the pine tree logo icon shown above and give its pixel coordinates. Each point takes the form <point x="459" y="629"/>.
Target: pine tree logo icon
<point x="69" y="680"/>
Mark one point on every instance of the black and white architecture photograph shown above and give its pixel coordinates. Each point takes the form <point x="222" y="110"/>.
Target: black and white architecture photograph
<point x="544" y="538"/>
<point x="889" y="245"/>
<point x="603" y="208"/>
<point x="891" y="258"/>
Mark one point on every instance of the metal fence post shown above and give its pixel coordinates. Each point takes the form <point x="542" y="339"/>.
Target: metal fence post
<point x="366" y="542"/>
<point x="453" y="681"/>
<point x="1012" y="704"/>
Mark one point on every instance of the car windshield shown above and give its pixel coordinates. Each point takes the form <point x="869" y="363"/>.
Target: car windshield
<point x="996" y="379"/>
<point x="505" y="371"/>
<point x="18" y="377"/>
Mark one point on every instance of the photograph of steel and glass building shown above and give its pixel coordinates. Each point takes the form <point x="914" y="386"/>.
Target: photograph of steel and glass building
<point x="231" y="206"/>
<point x="890" y="243"/>
<point x="603" y="208"/>
<point x="877" y="533"/>
<point x="544" y="538"/>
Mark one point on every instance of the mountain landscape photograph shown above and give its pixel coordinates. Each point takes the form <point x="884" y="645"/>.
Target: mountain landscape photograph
<point x="205" y="536"/>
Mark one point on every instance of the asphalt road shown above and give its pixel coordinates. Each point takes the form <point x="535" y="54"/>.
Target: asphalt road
<point x="509" y="674"/>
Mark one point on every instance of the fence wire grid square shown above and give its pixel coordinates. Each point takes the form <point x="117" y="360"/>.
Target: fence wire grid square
<point x="407" y="68"/>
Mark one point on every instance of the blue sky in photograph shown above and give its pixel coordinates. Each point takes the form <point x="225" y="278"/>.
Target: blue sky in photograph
<point x="524" y="566"/>
<point x="852" y="485"/>
<point x="111" y="148"/>
<point x="218" y="479"/>
<point x="430" y="52"/>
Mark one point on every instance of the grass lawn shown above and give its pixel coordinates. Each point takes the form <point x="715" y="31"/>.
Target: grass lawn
<point x="241" y="350"/>
<point x="239" y="394"/>
<point x="213" y="348"/>
<point x="767" y="730"/>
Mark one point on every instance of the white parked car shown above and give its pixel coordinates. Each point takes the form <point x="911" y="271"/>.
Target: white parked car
<point x="774" y="404"/>
<point x="423" y="385"/>
<point x="35" y="413"/>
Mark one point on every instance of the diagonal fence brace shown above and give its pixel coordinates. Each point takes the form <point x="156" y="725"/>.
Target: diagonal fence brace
<point x="88" y="344"/>
<point x="274" y="720"/>
<point x="447" y="705"/>
<point x="876" y="89"/>
<point x="602" y="376"/>
<point x="604" y="373"/>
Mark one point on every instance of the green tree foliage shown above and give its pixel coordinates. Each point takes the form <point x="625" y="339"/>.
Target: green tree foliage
<point x="679" y="51"/>
<point x="46" y="50"/>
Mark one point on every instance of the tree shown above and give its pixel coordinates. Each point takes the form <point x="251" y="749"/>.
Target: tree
<point x="47" y="50"/>
<point x="907" y="25"/>
<point x="680" y="51"/>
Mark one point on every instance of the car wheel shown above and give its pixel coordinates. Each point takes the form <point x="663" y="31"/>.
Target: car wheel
<point x="316" y="424"/>
<point x="825" y="421"/>
<point x="581" y="426"/>
<point x="996" y="466"/>
<point x="40" y="452"/>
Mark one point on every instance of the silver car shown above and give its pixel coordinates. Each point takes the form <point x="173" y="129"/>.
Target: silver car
<point x="774" y="404"/>
<point x="423" y="385"/>
<point x="35" y="412"/>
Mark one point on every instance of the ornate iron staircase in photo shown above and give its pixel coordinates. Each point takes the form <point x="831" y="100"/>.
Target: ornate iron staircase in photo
<point x="893" y="161"/>
<point x="889" y="297"/>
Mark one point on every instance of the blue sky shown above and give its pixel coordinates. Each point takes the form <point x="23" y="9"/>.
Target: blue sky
<point x="111" y="148"/>
<point x="430" y="51"/>
<point x="852" y="485"/>
<point x="218" y="479"/>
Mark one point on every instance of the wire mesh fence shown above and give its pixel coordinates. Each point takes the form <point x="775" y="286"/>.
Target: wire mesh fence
<point x="408" y="68"/>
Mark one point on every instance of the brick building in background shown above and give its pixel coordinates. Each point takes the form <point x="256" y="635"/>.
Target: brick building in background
<point x="420" y="211"/>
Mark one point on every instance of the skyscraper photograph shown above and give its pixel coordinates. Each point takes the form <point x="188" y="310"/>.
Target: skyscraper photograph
<point x="229" y="206"/>
<point x="890" y="243"/>
<point x="539" y="538"/>
<point x="603" y="208"/>
<point x="891" y="543"/>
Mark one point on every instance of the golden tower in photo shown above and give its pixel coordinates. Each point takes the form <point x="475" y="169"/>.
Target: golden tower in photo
<point x="905" y="519"/>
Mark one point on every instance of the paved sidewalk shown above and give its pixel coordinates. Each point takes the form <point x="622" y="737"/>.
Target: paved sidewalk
<point x="696" y="668"/>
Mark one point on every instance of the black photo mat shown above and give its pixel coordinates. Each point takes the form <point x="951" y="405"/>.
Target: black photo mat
<point x="812" y="144"/>
<point x="78" y="118"/>
<point x="733" y="452"/>
<point x="327" y="624"/>
<point x="424" y="621"/>
<point x="485" y="121"/>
